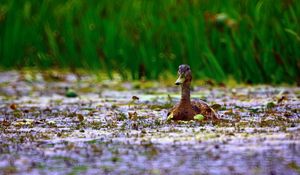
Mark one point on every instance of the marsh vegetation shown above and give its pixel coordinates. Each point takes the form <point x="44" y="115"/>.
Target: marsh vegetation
<point x="253" y="41"/>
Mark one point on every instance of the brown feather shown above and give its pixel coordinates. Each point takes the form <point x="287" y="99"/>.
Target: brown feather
<point x="186" y="110"/>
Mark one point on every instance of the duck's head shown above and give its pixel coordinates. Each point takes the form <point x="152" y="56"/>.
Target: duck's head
<point x="184" y="74"/>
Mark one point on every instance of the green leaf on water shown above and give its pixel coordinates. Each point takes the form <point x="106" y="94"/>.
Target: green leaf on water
<point x="70" y="93"/>
<point x="199" y="117"/>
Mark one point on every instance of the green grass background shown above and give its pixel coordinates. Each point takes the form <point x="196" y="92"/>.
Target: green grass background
<point x="254" y="41"/>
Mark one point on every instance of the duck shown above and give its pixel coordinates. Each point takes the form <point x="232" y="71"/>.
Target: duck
<point x="187" y="109"/>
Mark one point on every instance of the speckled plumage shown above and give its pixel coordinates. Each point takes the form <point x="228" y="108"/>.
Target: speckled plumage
<point x="186" y="110"/>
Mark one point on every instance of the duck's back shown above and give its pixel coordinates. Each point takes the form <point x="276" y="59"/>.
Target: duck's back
<point x="201" y="107"/>
<point x="187" y="112"/>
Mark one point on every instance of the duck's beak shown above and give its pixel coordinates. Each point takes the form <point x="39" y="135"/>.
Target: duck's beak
<point x="180" y="79"/>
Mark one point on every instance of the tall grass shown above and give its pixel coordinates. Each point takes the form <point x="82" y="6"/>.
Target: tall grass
<point x="251" y="40"/>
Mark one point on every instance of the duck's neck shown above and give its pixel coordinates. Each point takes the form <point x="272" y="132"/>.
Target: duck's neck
<point x="185" y="94"/>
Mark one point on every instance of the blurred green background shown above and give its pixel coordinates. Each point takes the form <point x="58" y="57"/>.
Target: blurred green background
<point x="254" y="41"/>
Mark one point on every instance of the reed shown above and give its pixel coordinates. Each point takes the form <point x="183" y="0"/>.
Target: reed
<point x="253" y="41"/>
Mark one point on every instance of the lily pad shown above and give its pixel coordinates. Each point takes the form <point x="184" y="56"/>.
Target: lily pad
<point x="199" y="117"/>
<point x="70" y="93"/>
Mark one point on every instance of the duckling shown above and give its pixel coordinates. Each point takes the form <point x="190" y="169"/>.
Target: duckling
<point x="186" y="110"/>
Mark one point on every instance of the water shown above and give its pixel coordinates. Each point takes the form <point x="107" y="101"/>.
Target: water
<point x="48" y="133"/>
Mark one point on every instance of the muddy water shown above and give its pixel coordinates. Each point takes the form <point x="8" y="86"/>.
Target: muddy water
<point x="105" y="130"/>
